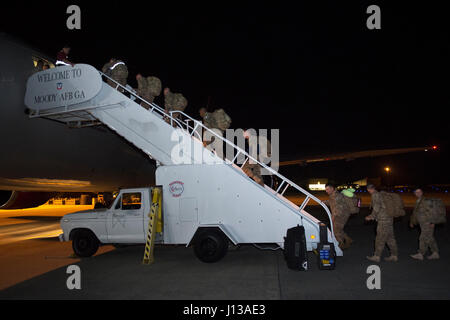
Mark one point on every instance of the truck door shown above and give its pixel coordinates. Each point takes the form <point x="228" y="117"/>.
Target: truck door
<point x="125" y="221"/>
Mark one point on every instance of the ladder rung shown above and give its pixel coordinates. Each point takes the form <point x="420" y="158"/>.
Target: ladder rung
<point x="152" y="222"/>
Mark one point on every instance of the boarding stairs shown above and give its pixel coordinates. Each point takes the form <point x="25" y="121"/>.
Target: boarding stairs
<point x="157" y="133"/>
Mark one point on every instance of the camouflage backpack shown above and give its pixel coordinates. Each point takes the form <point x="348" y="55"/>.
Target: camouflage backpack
<point x="209" y="121"/>
<point x="120" y="71"/>
<point x="437" y="210"/>
<point x="223" y="121"/>
<point x="154" y="86"/>
<point x="180" y="102"/>
<point x="394" y="204"/>
<point x="352" y="203"/>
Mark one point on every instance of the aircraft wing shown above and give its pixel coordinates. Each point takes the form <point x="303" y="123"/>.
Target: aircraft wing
<point x="355" y="155"/>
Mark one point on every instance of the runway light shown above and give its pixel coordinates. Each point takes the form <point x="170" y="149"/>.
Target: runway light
<point x="435" y="147"/>
<point x="387" y="169"/>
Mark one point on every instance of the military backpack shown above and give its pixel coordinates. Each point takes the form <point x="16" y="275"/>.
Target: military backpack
<point x="223" y="121"/>
<point x="180" y="102"/>
<point x="437" y="210"/>
<point x="154" y="86"/>
<point x="394" y="204"/>
<point x="352" y="203"/>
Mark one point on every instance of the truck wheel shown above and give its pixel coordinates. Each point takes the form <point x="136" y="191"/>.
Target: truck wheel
<point x="85" y="243"/>
<point x="210" y="246"/>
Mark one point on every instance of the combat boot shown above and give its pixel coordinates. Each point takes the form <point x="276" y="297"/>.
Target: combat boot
<point x="391" y="259"/>
<point x="343" y="245"/>
<point x="348" y="241"/>
<point x="374" y="258"/>
<point x="433" y="256"/>
<point x="417" y="256"/>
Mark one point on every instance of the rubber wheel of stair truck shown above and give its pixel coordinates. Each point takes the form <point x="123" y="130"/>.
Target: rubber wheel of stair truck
<point x="85" y="243"/>
<point x="210" y="246"/>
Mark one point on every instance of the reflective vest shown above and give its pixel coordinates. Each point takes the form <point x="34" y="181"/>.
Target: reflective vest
<point x="116" y="64"/>
<point x="61" y="63"/>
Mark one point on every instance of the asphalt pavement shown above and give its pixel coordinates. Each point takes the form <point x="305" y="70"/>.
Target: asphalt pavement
<point x="249" y="273"/>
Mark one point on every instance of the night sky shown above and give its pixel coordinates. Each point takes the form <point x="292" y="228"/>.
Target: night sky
<point x="313" y="71"/>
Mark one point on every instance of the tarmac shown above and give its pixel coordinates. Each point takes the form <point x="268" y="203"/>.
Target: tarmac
<point x="248" y="273"/>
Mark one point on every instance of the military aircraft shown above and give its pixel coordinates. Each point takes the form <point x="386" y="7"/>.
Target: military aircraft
<point x="349" y="156"/>
<point x="40" y="157"/>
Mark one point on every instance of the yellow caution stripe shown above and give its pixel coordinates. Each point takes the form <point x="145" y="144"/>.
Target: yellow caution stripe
<point x="154" y="217"/>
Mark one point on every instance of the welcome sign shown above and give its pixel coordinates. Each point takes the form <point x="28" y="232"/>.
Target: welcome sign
<point x="62" y="86"/>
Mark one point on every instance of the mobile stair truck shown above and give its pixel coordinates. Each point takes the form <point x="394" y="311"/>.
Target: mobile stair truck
<point x="206" y="201"/>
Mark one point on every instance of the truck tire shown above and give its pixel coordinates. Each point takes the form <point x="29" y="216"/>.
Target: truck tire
<point x="85" y="243"/>
<point x="210" y="246"/>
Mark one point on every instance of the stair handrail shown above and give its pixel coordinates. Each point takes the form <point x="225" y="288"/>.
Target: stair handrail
<point x="284" y="180"/>
<point x="154" y="106"/>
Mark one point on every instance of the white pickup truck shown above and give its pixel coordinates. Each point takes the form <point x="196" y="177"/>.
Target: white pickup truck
<point x="125" y="222"/>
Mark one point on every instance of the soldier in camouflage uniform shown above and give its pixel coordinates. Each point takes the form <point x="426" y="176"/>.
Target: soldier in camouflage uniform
<point x="385" y="227"/>
<point x="117" y="70"/>
<point x="148" y="89"/>
<point x="421" y="216"/>
<point x="339" y="215"/>
<point x="208" y="119"/>
<point x="253" y="170"/>
<point x="217" y="121"/>
<point x="210" y="122"/>
<point x="174" y="102"/>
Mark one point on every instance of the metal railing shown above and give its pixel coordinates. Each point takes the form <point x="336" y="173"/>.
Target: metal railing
<point x="153" y="107"/>
<point x="184" y="125"/>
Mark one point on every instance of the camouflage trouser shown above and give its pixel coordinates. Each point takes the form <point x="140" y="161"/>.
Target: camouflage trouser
<point x="209" y="139"/>
<point x="169" y="109"/>
<point x="111" y="83"/>
<point x="147" y="98"/>
<point x="175" y="116"/>
<point x="177" y="108"/>
<point x="254" y="172"/>
<point x="426" y="239"/>
<point x="385" y="235"/>
<point x="339" y="222"/>
<point x="121" y="80"/>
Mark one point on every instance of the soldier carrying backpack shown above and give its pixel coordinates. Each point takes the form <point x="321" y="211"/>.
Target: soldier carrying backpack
<point x="118" y="71"/>
<point x="218" y="119"/>
<point x="427" y="213"/>
<point x="174" y="102"/>
<point x="384" y="215"/>
<point x="394" y="204"/>
<point x="148" y="89"/>
<point x="352" y="203"/>
<point x="339" y="215"/>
